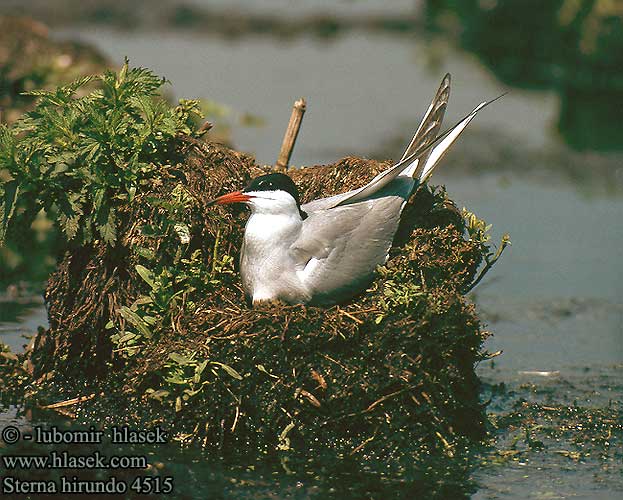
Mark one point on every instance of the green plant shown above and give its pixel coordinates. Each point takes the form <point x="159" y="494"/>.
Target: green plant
<point x="80" y="158"/>
<point x="184" y="375"/>
<point x="401" y="291"/>
<point x="176" y="277"/>
<point x="479" y="231"/>
<point x="174" y="291"/>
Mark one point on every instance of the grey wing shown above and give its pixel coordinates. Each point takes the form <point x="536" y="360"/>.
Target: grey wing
<point x="339" y="249"/>
<point x="392" y="186"/>
<point x="372" y="189"/>
<point x="325" y="203"/>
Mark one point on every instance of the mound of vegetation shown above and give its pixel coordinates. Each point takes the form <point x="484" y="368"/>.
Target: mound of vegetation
<point x="147" y="313"/>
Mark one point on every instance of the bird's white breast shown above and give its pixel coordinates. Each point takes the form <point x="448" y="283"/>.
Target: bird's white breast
<point x="268" y="271"/>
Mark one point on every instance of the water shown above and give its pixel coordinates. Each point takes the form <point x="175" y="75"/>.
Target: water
<point x="554" y="299"/>
<point x="19" y="320"/>
<point x="359" y="88"/>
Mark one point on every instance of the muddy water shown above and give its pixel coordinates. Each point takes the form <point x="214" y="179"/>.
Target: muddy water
<point x="553" y="301"/>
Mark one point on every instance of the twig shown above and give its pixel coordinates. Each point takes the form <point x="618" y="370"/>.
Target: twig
<point x="205" y="127"/>
<point x="217" y="240"/>
<point x="68" y="402"/>
<point x="345" y="313"/>
<point x="298" y="110"/>
<point x="233" y="427"/>
<point x="447" y="446"/>
<point x="360" y="447"/>
<point x="384" y="398"/>
<point x="503" y="244"/>
<point x="337" y="363"/>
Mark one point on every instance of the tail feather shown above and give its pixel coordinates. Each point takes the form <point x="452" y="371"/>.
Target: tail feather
<point x="445" y="140"/>
<point x="428" y="129"/>
<point x="434" y="151"/>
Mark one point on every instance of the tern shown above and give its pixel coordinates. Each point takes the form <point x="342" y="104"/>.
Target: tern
<point x="326" y="251"/>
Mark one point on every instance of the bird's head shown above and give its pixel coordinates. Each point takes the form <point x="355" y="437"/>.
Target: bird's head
<point x="272" y="193"/>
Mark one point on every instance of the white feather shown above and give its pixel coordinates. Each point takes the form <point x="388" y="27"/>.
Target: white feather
<point x="440" y="149"/>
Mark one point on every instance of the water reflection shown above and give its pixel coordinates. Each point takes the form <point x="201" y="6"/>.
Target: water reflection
<point x="574" y="47"/>
<point x="198" y="474"/>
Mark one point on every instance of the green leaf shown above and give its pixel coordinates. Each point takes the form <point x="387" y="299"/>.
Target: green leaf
<point x="131" y="317"/>
<point x="180" y="359"/>
<point x="126" y="337"/>
<point x="70" y="224"/>
<point x="233" y="373"/>
<point x="108" y="232"/>
<point x="146" y="274"/>
<point x="11" y="190"/>
<point x="158" y="395"/>
<point x="143" y="299"/>
<point x="146" y="253"/>
<point x="199" y="370"/>
<point x="150" y="320"/>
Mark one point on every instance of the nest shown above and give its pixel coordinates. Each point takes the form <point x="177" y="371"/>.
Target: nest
<point x="392" y="370"/>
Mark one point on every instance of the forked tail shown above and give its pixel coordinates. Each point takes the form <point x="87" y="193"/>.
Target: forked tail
<point x="425" y="152"/>
<point x="428" y="129"/>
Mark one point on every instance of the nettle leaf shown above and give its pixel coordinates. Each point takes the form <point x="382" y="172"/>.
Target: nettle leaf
<point x="144" y="104"/>
<point x="7" y="147"/>
<point x="90" y="149"/>
<point x="80" y="82"/>
<point x="70" y="213"/>
<point x="100" y="146"/>
<point x="69" y="225"/>
<point x="108" y="230"/>
<point x="11" y="190"/>
<point x="62" y="158"/>
<point x="98" y="198"/>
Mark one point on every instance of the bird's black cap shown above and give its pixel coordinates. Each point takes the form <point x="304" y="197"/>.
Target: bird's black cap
<point x="274" y="182"/>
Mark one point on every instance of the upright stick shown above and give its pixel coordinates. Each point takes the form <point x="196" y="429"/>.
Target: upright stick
<point x="298" y="110"/>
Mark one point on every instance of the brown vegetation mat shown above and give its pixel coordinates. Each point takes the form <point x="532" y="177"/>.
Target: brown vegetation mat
<point x="391" y="370"/>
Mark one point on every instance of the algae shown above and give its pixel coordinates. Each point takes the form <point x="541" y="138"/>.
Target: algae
<point x="147" y="314"/>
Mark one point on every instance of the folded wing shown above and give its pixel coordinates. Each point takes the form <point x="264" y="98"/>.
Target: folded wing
<point x="339" y="249"/>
